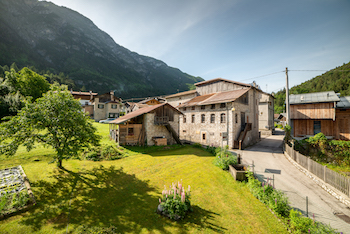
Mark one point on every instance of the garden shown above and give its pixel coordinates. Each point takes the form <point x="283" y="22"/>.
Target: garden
<point x="121" y="193"/>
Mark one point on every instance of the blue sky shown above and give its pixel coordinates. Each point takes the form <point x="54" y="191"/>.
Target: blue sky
<point x="241" y="40"/>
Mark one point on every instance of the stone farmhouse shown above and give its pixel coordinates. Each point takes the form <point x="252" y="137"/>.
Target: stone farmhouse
<point x="324" y="112"/>
<point x="151" y="125"/>
<point x="219" y="112"/>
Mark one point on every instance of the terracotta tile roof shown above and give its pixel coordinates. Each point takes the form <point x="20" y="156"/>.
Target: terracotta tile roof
<point x="212" y="98"/>
<point x="139" y="112"/>
<point x="221" y="79"/>
<point x="182" y="93"/>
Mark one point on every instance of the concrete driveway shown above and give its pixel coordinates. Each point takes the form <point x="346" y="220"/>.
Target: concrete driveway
<point x="270" y="162"/>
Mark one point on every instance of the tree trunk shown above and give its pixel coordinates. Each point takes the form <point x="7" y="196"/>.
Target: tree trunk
<point x="59" y="163"/>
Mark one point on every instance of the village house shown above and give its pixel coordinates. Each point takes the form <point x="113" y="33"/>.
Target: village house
<point x="151" y="125"/>
<point x="221" y="112"/>
<point x="266" y="114"/>
<point x="85" y="99"/>
<point x="106" y="106"/>
<point x="132" y="106"/>
<point x="324" y="112"/>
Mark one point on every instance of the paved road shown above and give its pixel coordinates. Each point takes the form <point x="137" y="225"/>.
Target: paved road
<point x="270" y="162"/>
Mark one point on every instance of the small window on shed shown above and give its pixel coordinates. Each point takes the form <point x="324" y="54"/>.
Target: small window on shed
<point x="130" y="131"/>
<point x="317" y="127"/>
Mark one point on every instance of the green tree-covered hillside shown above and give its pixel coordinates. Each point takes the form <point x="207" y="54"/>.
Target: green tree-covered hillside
<point x="337" y="80"/>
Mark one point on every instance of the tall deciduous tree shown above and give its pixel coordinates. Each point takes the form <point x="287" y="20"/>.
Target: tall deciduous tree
<point x="55" y="120"/>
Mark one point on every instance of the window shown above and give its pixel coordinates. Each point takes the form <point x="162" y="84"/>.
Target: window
<point x="222" y="118"/>
<point x="212" y="118"/>
<point x="130" y="131"/>
<point x="203" y="118"/>
<point x="113" y="115"/>
<point x="317" y="127"/>
<point x="184" y="119"/>
<point x="184" y="108"/>
<point x="212" y="106"/>
<point x="100" y="106"/>
<point x="203" y="136"/>
<point x="202" y="107"/>
<point x="86" y="103"/>
<point x="114" y="106"/>
<point x="193" y="107"/>
<point x="222" y="105"/>
<point x="193" y="119"/>
<point x="236" y="118"/>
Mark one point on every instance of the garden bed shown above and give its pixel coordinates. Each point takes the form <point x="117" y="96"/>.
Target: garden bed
<point x="15" y="192"/>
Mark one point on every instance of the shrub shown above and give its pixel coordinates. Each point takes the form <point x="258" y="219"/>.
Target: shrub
<point x="224" y="158"/>
<point x="104" y="152"/>
<point x="175" y="202"/>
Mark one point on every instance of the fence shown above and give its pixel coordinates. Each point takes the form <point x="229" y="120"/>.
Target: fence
<point x="333" y="178"/>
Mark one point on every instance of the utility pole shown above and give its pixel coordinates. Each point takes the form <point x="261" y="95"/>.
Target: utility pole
<point x="287" y="98"/>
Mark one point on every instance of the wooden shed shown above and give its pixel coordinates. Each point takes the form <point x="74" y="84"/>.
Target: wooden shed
<point x="320" y="112"/>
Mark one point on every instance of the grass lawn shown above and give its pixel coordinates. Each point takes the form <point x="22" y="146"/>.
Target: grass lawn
<point x="124" y="193"/>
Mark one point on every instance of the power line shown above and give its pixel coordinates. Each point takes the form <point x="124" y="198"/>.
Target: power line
<point x="262" y="76"/>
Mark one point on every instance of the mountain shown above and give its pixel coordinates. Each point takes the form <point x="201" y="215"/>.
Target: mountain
<point x="49" y="37"/>
<point x="337" y="80"/>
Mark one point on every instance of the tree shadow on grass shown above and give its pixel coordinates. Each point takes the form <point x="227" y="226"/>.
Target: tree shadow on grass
<point x="203" y="220"/>
<point x="97" y="197"/>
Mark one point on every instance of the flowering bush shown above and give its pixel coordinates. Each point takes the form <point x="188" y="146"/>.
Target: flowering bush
<point x="175" y="201"/>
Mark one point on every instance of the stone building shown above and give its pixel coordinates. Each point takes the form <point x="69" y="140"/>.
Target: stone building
<point x="224" y="112"/>
<point x="266" y="114"/>
<point x="179" y="98"/>
<point x="151" y="125"/>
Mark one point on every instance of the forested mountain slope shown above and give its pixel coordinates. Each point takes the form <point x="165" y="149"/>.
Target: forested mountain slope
<point x="49" y="37"/>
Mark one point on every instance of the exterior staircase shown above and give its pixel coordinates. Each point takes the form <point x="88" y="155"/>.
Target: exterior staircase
<point x="238" y="144"/>
<point x="173" y="133"/>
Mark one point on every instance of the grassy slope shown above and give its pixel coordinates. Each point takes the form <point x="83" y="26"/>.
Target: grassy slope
<point x="125" y="193"/>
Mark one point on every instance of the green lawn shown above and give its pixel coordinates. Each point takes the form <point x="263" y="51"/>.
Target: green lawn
<point x="124" y="193"/>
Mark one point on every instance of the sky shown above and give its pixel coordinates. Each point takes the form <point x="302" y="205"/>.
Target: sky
<point x="239" y="40"/>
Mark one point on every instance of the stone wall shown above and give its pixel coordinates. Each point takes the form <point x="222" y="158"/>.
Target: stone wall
<point x="153" y="130"/>
<point x="175" y="101"/>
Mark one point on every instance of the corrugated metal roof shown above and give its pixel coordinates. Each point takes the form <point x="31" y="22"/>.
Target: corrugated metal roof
<point x="344" y="102"/>
<point x="139" y="112"/>
<point x="320" y="97"/>
<point x="182" y="93"/>
<point x="212" y="98"/>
